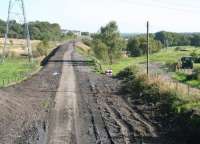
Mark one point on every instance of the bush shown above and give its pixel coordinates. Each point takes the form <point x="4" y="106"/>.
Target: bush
<point x="197" y="59"/>
<point x="197" y="73"/>
<point x="137" y="46"/>
<point x="183" y="124"/>
<point x="127" y="72"/>
<point x="43" y="48"/>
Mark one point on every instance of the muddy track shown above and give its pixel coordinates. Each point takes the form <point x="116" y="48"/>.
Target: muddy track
<point x="25" y="107"/>
<point x="83" y="108"/>
<point x="113" y="121"/>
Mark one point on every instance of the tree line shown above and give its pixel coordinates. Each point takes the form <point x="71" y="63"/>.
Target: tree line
<point x="178" y="39"/>
<point x="38" y="30"/>
<point x="137" y="44"/>
<point x="108" y="44"/>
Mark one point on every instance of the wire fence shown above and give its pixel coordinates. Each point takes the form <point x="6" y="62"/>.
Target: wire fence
<point x="168" y="83"/>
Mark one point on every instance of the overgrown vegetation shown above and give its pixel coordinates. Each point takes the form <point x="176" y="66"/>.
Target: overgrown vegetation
<point x="137" y="46"/>
<point x="107" y="44"/>
<point x="178" y="39"/>
<point x="190" y="79"/>
<point x="179" y="116"/>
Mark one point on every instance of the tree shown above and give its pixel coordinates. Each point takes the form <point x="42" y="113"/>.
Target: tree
<point x="111" y="37"/>
<point x="43" y="48"/>
<point x="137" y="46"/>
<point x="165" y="38"/>
<point x="2" y="28"/>
<point x="195" y="40"/>
<point x="133" y="47"/>
<point x="100" y="50"/>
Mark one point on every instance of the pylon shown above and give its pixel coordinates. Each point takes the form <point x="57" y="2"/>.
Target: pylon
<point x="26" y="28"/>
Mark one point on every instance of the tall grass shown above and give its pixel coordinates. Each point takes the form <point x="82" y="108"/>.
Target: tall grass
<point x="172" y="107"/>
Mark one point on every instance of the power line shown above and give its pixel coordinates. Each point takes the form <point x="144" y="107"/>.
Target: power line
<point x="23" y="14"/>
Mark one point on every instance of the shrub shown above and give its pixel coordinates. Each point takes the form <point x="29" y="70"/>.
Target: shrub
<point x="127" y="72"/>
<point x="197" y="73"/>
<point x="165" y="104"/>
<point x="43" y="48"/>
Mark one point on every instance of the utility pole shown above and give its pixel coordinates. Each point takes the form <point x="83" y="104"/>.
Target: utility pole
<point x="26" y="28"/>
<point x="147" y="50"/>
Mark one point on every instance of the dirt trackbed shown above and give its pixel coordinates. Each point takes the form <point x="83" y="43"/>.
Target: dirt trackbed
<point x="67" y="103"/>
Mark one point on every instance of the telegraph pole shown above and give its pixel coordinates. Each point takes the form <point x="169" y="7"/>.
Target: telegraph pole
<point x="147" y="50"/>
<point x="26" y="28"/>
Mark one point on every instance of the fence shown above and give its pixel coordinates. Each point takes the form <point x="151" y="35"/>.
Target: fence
<point x="166" y="82"/>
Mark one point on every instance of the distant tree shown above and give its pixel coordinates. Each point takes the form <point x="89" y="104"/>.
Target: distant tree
<point x="2" y="28"/>
<point x="165" y="38"/>
<point x="100" y="50"/>
<point x="137" y="46"/>
<point x="85" y="33"/>
<point x="111" y="37"/>
<point x="195" y="40"/>
<point x="133" y="47"/>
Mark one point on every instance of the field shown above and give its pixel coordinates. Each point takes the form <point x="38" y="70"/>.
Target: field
<point x="163" y="57"/>
<point x="17" y="46"/>
<point x="16" y="67"/>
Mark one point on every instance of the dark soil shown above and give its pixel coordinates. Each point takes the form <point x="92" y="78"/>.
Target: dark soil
<point x="103" y="116"/>
<point x="24" y="107"/>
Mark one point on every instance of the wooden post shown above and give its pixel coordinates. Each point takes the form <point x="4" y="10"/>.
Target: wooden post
<point x="188" y="90"/>
<point x="147" y="50"/>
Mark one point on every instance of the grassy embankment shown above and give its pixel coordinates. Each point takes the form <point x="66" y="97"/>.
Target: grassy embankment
<point x="178" y="113"/>
<point x="16" y="67"/>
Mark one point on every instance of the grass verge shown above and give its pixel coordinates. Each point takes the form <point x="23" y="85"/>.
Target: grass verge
<point x="15" y="70"/>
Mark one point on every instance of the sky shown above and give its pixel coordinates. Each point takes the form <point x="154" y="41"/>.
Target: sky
<point x="130" y="15"/>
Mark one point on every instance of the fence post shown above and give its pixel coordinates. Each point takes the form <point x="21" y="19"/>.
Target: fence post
<point x="176" y="85"/>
